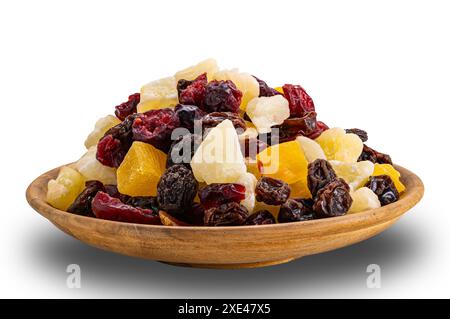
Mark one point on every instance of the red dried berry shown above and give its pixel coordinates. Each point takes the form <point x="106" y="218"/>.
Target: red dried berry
<point x="129" y="107"/>
<point x="221" y="96"/>
<point x="300" y="102"/>
<point x="264" y="89"/>
<point x="192" y="92"/>
<point x="107" y="207"/>
<point x="215" y="195"/>
<point x="113" y="147"/>
<point x="320" y="128"/>
<point x="155" y="127"/>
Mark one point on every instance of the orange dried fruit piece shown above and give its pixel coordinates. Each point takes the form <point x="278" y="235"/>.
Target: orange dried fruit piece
<point x="300" y="189"/>
<point x="387" y="169"/>
<point x="285" y="161"/>
<point x="140" y="171"/>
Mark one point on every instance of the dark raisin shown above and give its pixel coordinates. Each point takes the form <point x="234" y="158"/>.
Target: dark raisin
<point x="361" y="133"/>
<point x="369" y="154"/>
<point x="300" y="103"/>
<point x="296" y="210"/>
<point x="113" y="147"/>
<point x="222" y="96"/>
<point x="82" y="205"/>
<point x="293" y="127"/>
<point x="265" y="90"/>
<point x="229" y="214"/>
<point x="272" y="191"/>
<point x="320" y="173"/>
<point x="333" y="200"/>
<point x="188" y="115"/>
<point x="176" y="189"/>
<point x="107" y="207"/>
<point x="194" y="215"/>
<point x="215" y="118"/>
<point x="113" y="191"/>
<point x="263" y="217"/>
<point x="192" y="92"/>
<point x="183" y="149"/>
<point x="251" y="146"/>
<point x="145" y="202"/>
<point x="129" y="107"/>
<point x="155" y="127"/>
<point x="320" y="128"/>
<point x="214" y="195"/>
<point x="385" y="189"/>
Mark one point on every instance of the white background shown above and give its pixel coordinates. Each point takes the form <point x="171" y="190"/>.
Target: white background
<point x="379" y="65"/>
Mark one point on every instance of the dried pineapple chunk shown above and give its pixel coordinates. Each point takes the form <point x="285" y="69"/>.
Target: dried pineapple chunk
<point x="208" y="66"/>
<point x="141" y="169"/>
<point x="93" y="170"/>
<point x="158" y="94"/>
<point x="63" y="191"/>
<point x="101" y="126"/>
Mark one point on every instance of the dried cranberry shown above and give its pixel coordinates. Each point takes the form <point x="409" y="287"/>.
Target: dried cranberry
<point x="215" y="118"/>
<point x="176" y="189"/>
<point x="113" y="147"/>
<point x="229" y="214"/>
<point x="188" y="115"/>
<point x="129" y="107"/>
<point x="296" y="210"/>
<point x="263" y="217"/>
<point x="320" y="173"/>
<point x="300" y="102"/>
<point x="320" y="128"/>
<point x="82" y="205"/>
<point x="251" y="146"/>
<point x="296" y="126"/>
<point x="369" y="154"/>
<point x="361" y="133"/>
<point x="107" y="207"/>
<point x="385" y="189"/>
<point x="333" y="200"/>
<point x="192" y="92"/>
<point x="214" y="195"/>
<point x="272" y="191"/>
<point x="183" y="149"/>
<point x="155" y="127"/>
<point x="222" y="96"/>
<point x="265" y="90"/>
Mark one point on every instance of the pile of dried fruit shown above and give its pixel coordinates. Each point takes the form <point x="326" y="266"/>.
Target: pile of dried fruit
<point x="211" y="147"/>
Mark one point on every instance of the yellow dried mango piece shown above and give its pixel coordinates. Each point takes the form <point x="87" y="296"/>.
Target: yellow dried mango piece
<point x="140" y="171"/>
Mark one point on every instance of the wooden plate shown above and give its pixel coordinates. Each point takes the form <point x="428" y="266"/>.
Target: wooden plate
<point x="226" y="247"/>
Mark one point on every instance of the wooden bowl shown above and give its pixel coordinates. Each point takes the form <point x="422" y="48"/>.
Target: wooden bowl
<point x="226" y="247"/>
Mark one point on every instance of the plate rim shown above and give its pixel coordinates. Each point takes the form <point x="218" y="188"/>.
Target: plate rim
<point x="412" y="195"/>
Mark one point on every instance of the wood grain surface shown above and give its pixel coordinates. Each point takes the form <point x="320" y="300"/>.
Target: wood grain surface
<point x="226" y="247"/>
